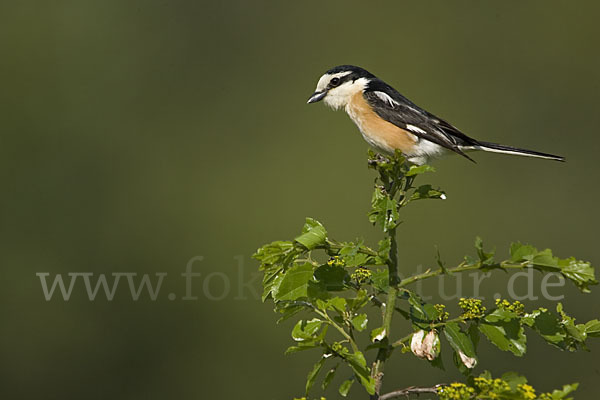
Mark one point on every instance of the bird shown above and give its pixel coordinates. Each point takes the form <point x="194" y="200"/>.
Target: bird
<point x="388" y="121"/>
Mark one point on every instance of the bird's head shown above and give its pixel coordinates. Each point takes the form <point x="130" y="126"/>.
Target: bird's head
<point x="337" y="86"/>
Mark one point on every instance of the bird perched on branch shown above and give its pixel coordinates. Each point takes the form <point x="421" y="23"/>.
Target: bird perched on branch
<point x="389" y="121"/>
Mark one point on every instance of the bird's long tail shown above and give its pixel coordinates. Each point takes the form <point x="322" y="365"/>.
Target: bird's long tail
<point x="500" y="148"/>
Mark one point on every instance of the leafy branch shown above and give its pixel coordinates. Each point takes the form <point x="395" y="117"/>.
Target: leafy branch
<point x="333" y="282"/>
<point x="522" y="256"/>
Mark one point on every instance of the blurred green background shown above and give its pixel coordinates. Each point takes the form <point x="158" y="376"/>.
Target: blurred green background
<point x="136" y="135"/>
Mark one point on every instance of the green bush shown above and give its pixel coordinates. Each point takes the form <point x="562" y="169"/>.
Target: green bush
<point x="335" y="281"/>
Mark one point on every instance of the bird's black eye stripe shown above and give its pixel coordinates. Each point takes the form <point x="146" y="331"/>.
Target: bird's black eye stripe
<point x="334" y="81"/>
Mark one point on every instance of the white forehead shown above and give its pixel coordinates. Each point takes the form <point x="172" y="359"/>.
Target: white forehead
<point x="322" y="84"/>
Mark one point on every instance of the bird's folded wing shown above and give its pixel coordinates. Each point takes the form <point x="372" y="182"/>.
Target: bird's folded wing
<point x="398" y="110"/>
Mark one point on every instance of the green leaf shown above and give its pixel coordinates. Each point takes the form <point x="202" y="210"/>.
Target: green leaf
<point x="421" y="169"/>
<point x="545" y="258"/>
<point x="503" y="329"/>
<point x="333" y="277"/>
<point x="427" y="192"/>
<point x="473" y="335"/>
<point x="312" y="375"/>
<point x="358" y="302"/>
<point x="380" y="279"/>
<point x="579" y="272"/>
<point x="337" y="303"/>
<point x="306" y="330"/>
<point x="383" y="252"/>
<point x="279" y="253"/>
<point x="295" y="282"/>
<point x="352" y="255"/>
<point x="329" y="377"/>
<point x="547" y="325"/>
<point x="360" y="322"/>
<point x="272" y="278"/>
<point x="461" y="343"/>
<point x="359" y="366"/>
<point x="470" y="260"/>
<point x="501" y="315"/>
<point x="576" y="334"/>
<point x="288" y="309"/>
<point x="437" y="362"/>
<point x="377" y="334"/>
<point x="438" y="260"/>
<point x="345" y="387"/>
<point x="592" y="328"/>
<point x="421" y="314"/>
<point x="303" y="346"/>
<point x="384" y="211"/>
<point x="520" y="252"/>
<point x="485" y="258"/>
<point x="513" y="379"/>
<point x="313" y="234"/>
<point x="566" y="390"/>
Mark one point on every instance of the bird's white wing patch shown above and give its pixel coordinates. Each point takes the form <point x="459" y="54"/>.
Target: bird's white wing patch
<point x="415" y="129"/>
<point x="386" y="98"/>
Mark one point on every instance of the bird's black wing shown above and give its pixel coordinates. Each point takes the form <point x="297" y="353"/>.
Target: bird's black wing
<point x="398" y="110"/>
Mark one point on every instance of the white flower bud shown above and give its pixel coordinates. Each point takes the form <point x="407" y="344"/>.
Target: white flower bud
<point x="416" y="343"/>
<point x="425" y="346"/>
<point x="469" y="362"/>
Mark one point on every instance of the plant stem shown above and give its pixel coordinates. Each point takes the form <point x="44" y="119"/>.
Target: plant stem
<point x="393" y="279"/>
<point x="410" y="390"/>
<point x="379" y="303"/>
<point x="400" y="341"/>
<point x="338" y="246"/>
<point x="339" y="328"/>
<point x="461" y="268"/>
<point x="393" y="187"/>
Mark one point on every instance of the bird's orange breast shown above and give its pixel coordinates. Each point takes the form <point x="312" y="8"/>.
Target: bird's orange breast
<point x="378" y="132"/>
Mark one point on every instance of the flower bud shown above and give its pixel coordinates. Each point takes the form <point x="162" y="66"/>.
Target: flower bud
<point x="469" y="362"/>
<point x="425" y="346"/>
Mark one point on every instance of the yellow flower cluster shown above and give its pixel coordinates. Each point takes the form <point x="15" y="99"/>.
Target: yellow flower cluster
<point x="441" y="310"/>
<point x="337" y="347"/>
<point x="455" y="391"/>
<point x="361" y="275"/>
<point x="304" y="398"/>
<point x="337" y="261"/>
<point x="488" y="388"/>
<point x="472" y="308"/>
<point x="517" y="307"/>
<point x="491" y="387"/>
<point x="526" y="391"/>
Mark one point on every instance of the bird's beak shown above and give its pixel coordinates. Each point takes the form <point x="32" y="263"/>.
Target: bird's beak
<point x="317" y="96"/>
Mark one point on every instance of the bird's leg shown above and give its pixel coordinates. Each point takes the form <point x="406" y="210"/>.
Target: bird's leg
<point x="381" y="158"/>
